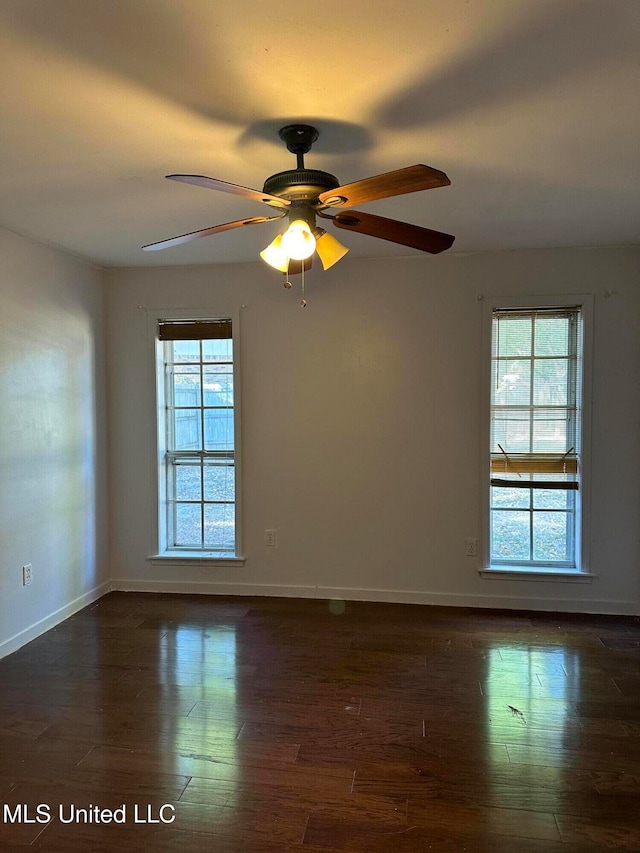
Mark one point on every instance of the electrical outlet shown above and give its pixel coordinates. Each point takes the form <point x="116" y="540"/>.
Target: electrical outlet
<point x="471" y="547"/>
<point x="26" y="575"/>
<point x="270" y="538"/>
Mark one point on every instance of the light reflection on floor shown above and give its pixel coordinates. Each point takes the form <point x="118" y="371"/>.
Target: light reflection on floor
<point x="203" y="666"/>
<point x="529" y="693"/>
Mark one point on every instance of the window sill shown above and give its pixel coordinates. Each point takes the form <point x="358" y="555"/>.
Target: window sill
<point x="191" y="558"/>
<point x="520" y="573"/>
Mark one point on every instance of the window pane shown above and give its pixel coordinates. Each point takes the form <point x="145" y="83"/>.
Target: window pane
<point x="552" y="499"/>
<point x="186" y="386"/>
<point x="550" y="536"/>
<point x="550" y="382"/>
<point x="187" y="427"/>
<point x="513" y="498"/>
<point x="510" y="535"/>
<point x="219" y="526"/>
<point x="188" y="482"/>
<point x="512" y="336"/>
<point x="551" y="431"/>
<point x="512" y="430"/>
<point x="188" y="525"/>
<point x="218" y="385"/>
<point x="217" y="350"/>
<point x="218" y="429"/>
<point x="219" y="483"/>
<point x="185" y="351"/>
<point x="552" y="336"/>
<point x="512" y="382"/>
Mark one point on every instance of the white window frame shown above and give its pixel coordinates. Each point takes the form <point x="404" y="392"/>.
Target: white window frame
<point x="161" y="552"/>
<point x="581" y="571"/>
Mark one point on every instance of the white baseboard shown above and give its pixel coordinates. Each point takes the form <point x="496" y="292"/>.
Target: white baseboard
<point x="610" y="607"/>
<point x="551" y="604"/>
<point x="554" y="604"/>
<point x="18" y="640"/>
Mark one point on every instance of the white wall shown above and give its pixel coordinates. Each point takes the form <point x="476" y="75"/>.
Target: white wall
<point x="362" y="422"/>
<point x="52" y="437"/>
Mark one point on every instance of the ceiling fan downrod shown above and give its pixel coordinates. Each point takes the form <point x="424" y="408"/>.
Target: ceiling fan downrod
<point x="298" y="138"/>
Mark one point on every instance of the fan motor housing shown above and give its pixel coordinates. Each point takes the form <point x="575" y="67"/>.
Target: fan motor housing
<point x="300" y="184"/>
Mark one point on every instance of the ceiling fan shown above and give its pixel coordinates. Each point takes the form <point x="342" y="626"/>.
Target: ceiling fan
<point x="303" y="195"/>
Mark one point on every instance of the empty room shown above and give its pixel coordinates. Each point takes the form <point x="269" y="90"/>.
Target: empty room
<point x="319" y="426"/>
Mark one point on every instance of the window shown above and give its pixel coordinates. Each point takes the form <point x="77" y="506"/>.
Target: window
<point x="197" y="426"/>
<point x="536" y="438"/>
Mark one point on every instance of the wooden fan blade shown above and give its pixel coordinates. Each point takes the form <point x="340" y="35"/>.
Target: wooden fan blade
<point x="204" y="232"/>
<point x="226" y="187"/>
<point x="396" y="232"/>
<point x="409" y="180"/>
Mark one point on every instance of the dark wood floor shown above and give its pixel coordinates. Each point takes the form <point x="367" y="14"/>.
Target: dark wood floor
<point x="275" y="725"/>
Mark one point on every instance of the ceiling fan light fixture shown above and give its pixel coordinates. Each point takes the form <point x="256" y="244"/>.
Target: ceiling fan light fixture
<point x="275" y="255"/>
<point x="297" y="241"/>
<point x="329" y="250"/>
<point x="302" y="194"/>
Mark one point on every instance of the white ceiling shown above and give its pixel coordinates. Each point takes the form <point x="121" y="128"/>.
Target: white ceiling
<point x="532" y="107"/>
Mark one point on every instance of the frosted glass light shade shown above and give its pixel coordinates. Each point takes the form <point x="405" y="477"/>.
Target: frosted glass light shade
<point x="275" y="255"/>
<point x="298" y="241"/>
<point x="329" y="249"/>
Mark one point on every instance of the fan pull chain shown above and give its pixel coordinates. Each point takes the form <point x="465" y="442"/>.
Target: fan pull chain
<point x="303" y="301"/>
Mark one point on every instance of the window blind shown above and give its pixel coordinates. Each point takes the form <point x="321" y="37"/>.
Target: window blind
<point x="193" y="330"/>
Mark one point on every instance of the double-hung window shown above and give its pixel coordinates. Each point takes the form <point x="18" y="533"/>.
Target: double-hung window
<point x="196" y="438"/>
<point x="536" y="438"/>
